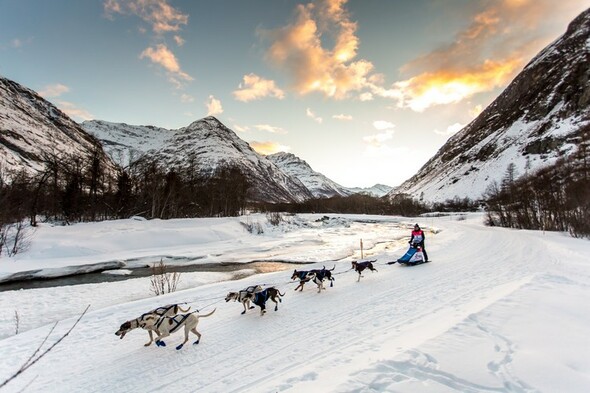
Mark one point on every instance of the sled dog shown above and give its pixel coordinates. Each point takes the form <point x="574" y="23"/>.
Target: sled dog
<point x="142" y="322"/>
<point x="360" y="266"/>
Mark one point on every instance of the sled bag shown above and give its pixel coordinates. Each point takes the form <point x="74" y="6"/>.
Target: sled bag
<point x="412" y="256"/>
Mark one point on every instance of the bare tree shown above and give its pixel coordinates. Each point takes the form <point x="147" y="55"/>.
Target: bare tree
<point x="163" y="281"/>
<point x="34" y="358"/>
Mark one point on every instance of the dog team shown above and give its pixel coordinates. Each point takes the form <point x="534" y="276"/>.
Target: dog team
<point x="171" y="318"/>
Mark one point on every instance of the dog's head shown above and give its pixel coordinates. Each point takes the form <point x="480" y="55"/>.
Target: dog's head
<point x="295" y="275"/>
<point x="125" y="327"/>
<point x="231" y="296"/>
<point x="354" y="264"/>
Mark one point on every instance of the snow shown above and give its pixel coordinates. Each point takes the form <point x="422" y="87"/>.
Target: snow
<point x="496" y="310"/>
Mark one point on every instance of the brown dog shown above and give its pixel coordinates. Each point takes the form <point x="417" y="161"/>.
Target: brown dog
<point x="360" y="266"/>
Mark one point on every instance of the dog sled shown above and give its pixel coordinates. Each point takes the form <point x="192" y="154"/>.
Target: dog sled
<point x="414" y="256"/>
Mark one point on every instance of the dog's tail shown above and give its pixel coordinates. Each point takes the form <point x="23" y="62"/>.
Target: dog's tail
<point x="281" y="294"/>
<point x="187" y="310"/>
<point x="207" y="315"/>
<point x="332" y="268"/>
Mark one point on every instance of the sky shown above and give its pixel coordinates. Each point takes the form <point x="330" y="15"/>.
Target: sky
<point x="365" y="91"/>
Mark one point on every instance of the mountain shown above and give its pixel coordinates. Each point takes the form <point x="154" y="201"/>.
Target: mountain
<point x="125" y="143"/>
<point x="377" y="190"/>
<point x="538" y="118"/>
<point x="205" y="144"/>
<point x="32" y="129"/>
<point x="319" y="185"/>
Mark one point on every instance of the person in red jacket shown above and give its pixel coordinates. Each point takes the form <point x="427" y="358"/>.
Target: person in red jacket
<point x="418" y="239"/>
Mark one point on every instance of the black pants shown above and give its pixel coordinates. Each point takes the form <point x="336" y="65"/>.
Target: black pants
<point x="424" y="251"/>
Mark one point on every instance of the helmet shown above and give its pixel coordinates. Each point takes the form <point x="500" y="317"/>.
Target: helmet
<point x="416" y="226"/>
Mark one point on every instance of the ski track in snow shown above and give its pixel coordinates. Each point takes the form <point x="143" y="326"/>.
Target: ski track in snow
<point x="399" y="329"/>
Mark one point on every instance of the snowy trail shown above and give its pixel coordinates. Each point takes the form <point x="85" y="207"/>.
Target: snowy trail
<point x="380" y="334"/>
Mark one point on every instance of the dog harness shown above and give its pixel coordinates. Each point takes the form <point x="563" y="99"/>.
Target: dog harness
<point x="178" y="322"/>
<point x="261" y="297"/>
<point x="161" y="311"/>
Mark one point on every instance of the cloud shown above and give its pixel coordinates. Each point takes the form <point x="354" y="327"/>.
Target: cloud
<point x="254" y="87"/>
<point x="342" y="117"/>
<point x="241" y="128"/>
<point x="485" y="55"/>
<point x="271" y="129"/>
<point x="55" y="90"/>
<point x="297" y="49"/>
<point x="162" y="56"/>
<point x="266" y="148"/>
<point x="366" y="96"/>
<point x="309" y="113"/>
<point x="448" y="86"/>
<point x="451" y="130"/>
<point x="476" y="110"/>
<point x="162" y="17"/>
<point x="378" y="139"/>
<point x="214" y="107"/>
<point x="179" y="40"/>
<point x="186" y="98"/>
<point x="383" y="125"/>
<point x="73" y="111"/>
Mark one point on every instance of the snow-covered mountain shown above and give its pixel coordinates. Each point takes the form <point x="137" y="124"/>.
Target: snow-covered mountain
<point x="377" y="190"/>
<point x="205" y="144"/>
<point x="32" y="129"/>
<point x="125" y="143"/>
<point x="538" y="118"/>
<point x="319" y="185"/>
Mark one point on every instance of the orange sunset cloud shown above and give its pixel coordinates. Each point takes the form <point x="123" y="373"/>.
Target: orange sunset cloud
<point x="297" y="48"/>
<point x="486" y="55"/>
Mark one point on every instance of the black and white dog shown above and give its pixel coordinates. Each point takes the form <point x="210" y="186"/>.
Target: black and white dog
<point x="260" y="298"/>
<point x="360" y="266"/>
<point x="317" y="276"/>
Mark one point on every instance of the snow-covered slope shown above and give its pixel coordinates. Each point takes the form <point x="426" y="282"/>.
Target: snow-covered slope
<point x="497" y="310"/>
<point x="32" y="129"/>
<point x="534" y="121"/>
<point x="125" y="143"/>
<point x="319" y="185"/>
<point x="205" y="144"/>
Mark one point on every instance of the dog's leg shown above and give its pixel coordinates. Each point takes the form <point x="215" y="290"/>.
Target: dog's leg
<point x="359" y="277"/>
<point x="159" y="341"/>
<point x="186" y="330"/>
<point x="194" y="330"/>
<point x="276" y="304"/>
<point x="151" y="339"/>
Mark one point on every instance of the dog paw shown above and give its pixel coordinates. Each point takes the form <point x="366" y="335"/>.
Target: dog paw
<point x="160" y="343"/>
<point x="179" y="347"/>
<point x="196" y="342"/>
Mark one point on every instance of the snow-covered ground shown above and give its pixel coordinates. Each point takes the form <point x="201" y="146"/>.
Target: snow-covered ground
<point x="497" y="310"/>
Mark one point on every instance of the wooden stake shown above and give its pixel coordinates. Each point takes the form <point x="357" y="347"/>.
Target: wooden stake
<point x="362" y="257"/>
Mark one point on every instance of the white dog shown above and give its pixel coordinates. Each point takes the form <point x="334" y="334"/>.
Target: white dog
<point x="166" y="325"/>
